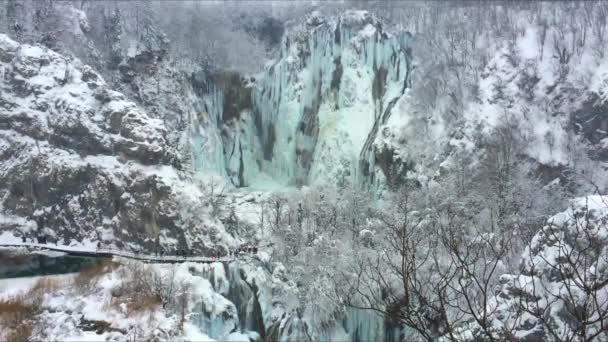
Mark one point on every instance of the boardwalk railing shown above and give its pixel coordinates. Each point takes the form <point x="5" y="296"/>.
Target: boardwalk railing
<point x="110" y="252"/>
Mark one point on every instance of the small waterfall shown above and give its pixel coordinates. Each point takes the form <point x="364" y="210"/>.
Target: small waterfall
<point x="294" y="329"/>
<point x="214" y="326"/>
<point x="359" y="325"/>
<point x="227" y="306"/>
<point x="245" y="297"/>
<point x="212" y="313"/>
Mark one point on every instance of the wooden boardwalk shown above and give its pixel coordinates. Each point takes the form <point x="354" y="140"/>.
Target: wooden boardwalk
<point x="112" y="252"/>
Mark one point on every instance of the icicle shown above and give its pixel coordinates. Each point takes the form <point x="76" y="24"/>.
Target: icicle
<point x="207" y="145"/>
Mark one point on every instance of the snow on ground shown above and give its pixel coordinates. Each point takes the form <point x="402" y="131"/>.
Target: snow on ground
<point x="193" y="333"/>
<point x="10" y="220"/>
<point x="8" y="238"/>
<point x="15" y="286"/>
<point x="86" y="245"/>
<point x="66" y="307"/>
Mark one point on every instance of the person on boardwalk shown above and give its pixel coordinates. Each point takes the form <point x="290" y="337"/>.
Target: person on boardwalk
<point x="40" y="223"/>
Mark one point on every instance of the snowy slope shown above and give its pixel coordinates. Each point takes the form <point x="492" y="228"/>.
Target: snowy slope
<point x="550" y="96"/>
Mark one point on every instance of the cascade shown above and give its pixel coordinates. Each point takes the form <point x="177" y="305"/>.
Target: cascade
<point x="232" y="307"/>
<point x="360" y="325"/>
<point x="246" y="300"/>
<point x="357" y="325"/>
<point x="212" y="313"/>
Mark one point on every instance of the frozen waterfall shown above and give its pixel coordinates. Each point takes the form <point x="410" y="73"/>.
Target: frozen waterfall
<point x="314" y="113"/>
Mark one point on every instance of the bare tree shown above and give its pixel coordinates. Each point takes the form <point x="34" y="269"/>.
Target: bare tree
<point x="432" y="272"/>
<point x="395" y="281"/>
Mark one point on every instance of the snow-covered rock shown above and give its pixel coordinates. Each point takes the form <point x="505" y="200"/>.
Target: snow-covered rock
<point x="82" y="161"/>
<point x="561" y="291"/>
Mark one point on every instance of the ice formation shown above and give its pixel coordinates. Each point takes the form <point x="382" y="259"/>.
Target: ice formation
<point x="314" y="113"/>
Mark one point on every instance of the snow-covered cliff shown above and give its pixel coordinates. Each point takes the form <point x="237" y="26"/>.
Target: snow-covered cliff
<point x="80" y="161"/>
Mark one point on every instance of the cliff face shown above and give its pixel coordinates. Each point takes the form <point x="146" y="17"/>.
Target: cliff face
<point x="80" y="161"/>
<point x="341" y="103"/>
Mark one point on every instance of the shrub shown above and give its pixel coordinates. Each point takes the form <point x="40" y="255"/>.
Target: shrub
<point x="87" y="277"/>
<point x="18" y="314"/>
<point x="42" y="286"/>
<point x="137" y="290"/>
<point x="143" y="302"/>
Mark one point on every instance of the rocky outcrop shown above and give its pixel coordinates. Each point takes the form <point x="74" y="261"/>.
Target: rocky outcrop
<point x="80" y="162"/>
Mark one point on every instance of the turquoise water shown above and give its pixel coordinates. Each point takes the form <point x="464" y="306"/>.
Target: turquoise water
<point x="15" y="264"/>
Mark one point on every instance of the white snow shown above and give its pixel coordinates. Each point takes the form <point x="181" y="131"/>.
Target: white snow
<point x="192" y="333"/>
<point x="207" y="310"/>
<point x="7" y="238"/>
<point x="528" y="45"/>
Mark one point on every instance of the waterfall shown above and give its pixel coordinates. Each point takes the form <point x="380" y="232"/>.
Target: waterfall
<point x="357" y="325"/>
<point x="363" y="325"/>
<point x="314" y="113"/>
<point x="225" y="306"/>
<point x="318" y="107"/>
<point x="245" y="296"/>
